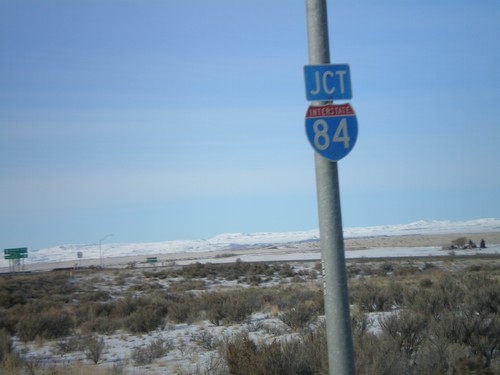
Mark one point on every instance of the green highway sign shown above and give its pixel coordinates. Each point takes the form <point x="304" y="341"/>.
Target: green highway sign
<point x="15" y="256"/>
<point x="152" y="260"/>
<point x="19" y="250"/>
<point x="17" y="253"/>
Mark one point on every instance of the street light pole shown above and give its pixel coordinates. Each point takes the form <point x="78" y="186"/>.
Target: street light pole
<point x="100" y="248"/>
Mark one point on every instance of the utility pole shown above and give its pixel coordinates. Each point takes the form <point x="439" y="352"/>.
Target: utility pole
<point x="100" y="249"/>
<point x="338" y="322"/>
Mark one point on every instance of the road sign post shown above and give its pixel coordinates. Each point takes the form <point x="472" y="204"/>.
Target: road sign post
<point x="338" y="322"/>
<point x="14" y="256"/>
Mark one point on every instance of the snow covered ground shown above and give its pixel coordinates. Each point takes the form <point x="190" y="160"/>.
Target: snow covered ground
<point x="380" y="252"/>
<point x="186" y="352"/>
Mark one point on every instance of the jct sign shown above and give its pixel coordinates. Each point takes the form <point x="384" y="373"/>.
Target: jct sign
<point x="332" y="130"/>
<point x="327" y="82"/>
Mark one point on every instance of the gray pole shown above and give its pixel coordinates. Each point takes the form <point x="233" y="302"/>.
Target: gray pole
<point x="100" y="249"/>
<point x="338" y="322"/>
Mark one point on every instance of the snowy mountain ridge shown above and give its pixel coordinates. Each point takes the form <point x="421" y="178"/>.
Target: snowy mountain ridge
<point x="226" y="241"/>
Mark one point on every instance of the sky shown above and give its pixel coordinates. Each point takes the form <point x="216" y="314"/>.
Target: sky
<point x="148" y="120"/>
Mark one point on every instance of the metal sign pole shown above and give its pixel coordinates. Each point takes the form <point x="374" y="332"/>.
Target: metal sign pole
<point x="338" y="322"/>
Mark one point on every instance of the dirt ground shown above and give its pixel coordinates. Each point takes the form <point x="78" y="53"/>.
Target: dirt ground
<point x="419" y="240"/>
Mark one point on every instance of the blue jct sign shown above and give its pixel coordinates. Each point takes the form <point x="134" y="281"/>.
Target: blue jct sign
<point x="327" y="82"/>
<point x="332" y="130"/>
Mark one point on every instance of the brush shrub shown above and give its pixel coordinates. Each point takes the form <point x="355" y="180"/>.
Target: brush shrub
<point x="102" y="325"/>
<point x="225" y="308"/>
<point x="156" y="349"/>
<point x="146" y="319"/>
<point x="299" y="317"/>
<point x="307" y="356"/>
<point x="182" y="308"/>
<point x="5" y="345"/>
<point x="94" y="348"/>
<point x="50" y="323"/>
<point x="370" y="296"/>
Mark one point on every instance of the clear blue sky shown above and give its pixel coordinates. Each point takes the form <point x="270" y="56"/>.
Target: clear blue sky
<point x="157" y="120"/>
